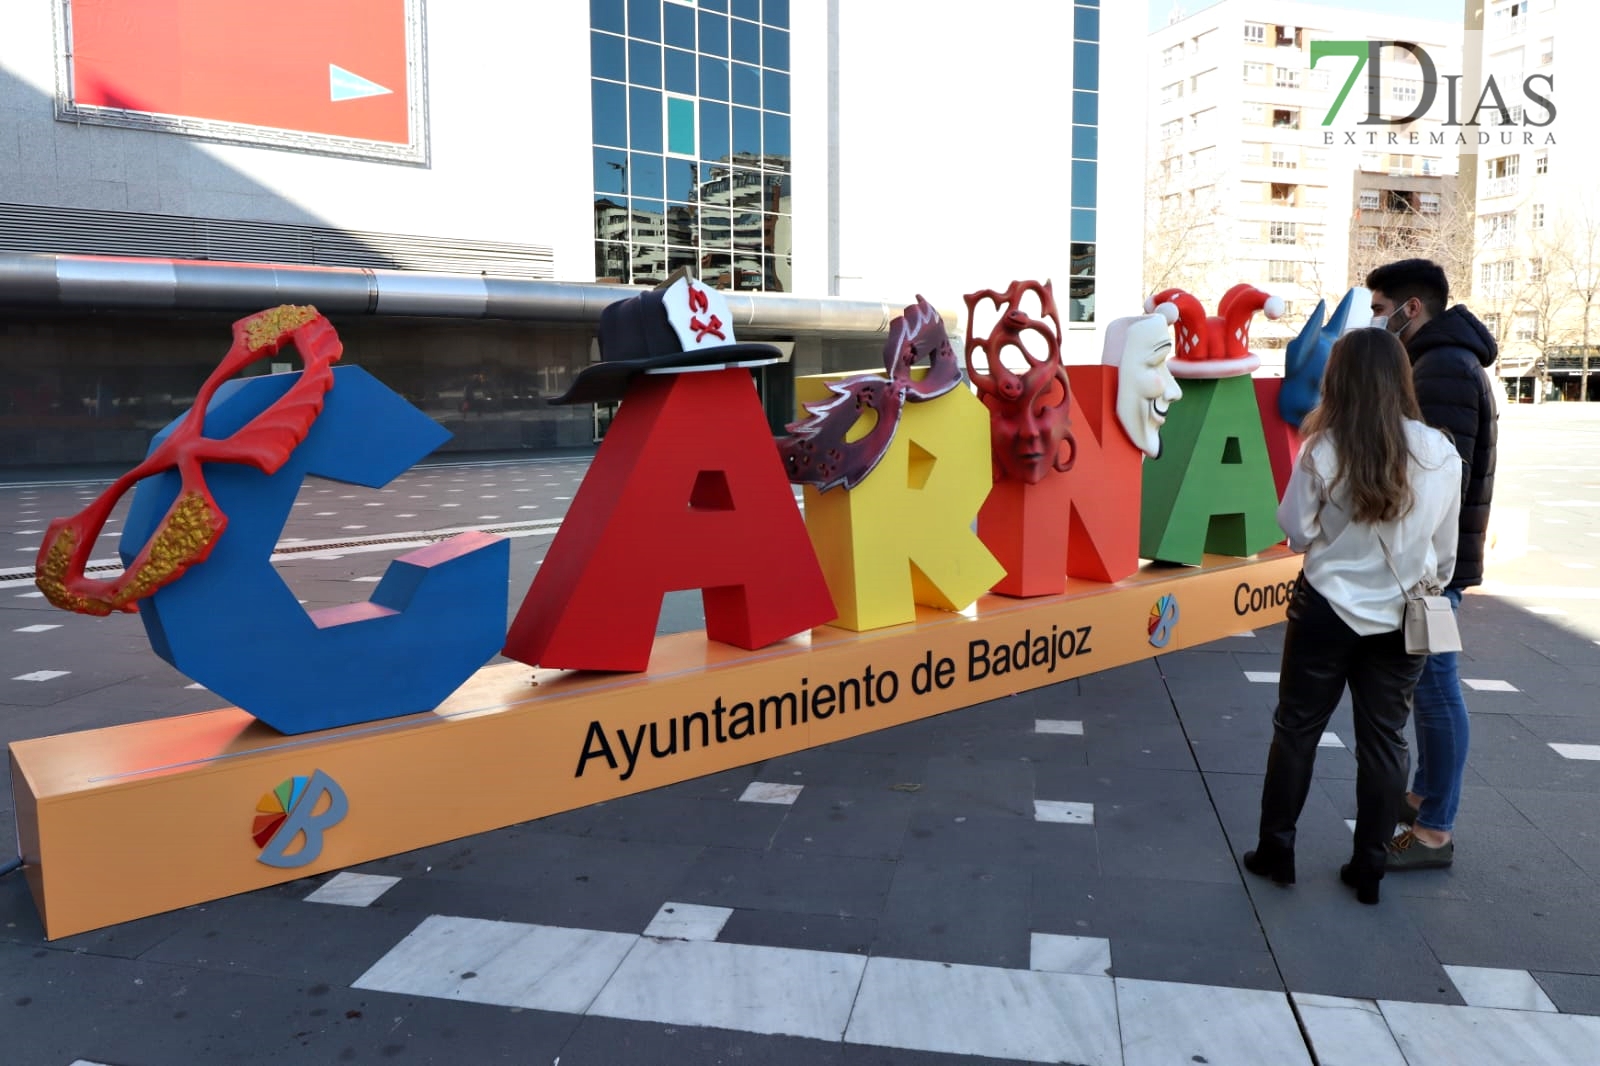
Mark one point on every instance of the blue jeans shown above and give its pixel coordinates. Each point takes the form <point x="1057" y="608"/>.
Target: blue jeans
<point x="1440" y="715"/>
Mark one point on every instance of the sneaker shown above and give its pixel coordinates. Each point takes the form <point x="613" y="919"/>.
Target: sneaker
<point x="1406" y="852"/>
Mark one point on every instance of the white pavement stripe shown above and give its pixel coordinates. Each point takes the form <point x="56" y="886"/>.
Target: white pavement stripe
<point x="1478" y="684"/>
<point x="42" y="675"/>
<point x="36" y="629"/>
<point x="770" y="792"/>
<point x="349" y="889"/>
<point x="1064" y="728"/>
<point x="1539" y="592"/>
<point x="1432" y="1032"/>
<point x="688" y="921"/>
<point x="777" y="991"/>
<point x="1057" y="953"/>
<point x="508" y="964"/>
<point x="1262" y="677"/>
<point x="1164" y="1023"/>
<point x="1585" y="752"/>
<point x="981" y="1010"/>
<point x="1063" y="811"/>
<point x="1330" y="740"/>
<point x="1348" y="1030"/>
<point x="1483" y="986"/>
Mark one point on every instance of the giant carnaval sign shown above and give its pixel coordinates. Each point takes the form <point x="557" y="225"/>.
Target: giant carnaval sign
<point x="1045" y="486"/>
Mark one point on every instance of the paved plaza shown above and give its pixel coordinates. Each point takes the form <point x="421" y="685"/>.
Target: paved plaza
<point x="1051" y="877"/>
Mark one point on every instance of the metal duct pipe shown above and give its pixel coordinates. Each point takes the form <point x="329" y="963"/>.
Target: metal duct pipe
<point x="106" y="283"/>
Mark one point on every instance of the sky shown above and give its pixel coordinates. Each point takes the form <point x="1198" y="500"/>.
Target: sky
<point x="1449" y="10"/>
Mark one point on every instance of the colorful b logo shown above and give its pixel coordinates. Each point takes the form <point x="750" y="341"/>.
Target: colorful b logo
<point x="1163" y="619"/>
<point x="290" y="812"/>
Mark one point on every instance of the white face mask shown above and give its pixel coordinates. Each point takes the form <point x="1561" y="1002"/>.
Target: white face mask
<point x="1380" y="322"/>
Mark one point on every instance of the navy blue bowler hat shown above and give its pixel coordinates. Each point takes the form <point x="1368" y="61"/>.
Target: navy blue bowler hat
<point x="678" y="327"/>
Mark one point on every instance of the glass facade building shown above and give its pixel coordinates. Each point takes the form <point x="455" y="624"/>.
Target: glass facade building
<point x="692" y="141"/>
<point x="1085" y="156"/>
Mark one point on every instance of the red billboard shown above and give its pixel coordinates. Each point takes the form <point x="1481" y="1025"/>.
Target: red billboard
<point x="332" y="75"/>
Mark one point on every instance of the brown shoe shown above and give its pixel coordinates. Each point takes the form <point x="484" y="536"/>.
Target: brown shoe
<point x="1406" y="852"/>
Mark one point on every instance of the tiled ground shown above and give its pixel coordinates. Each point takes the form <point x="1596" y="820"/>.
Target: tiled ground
<point x="1049" y="877"/>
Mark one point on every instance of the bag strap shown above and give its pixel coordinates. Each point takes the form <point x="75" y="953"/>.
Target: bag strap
<point x="1404" y="591"/>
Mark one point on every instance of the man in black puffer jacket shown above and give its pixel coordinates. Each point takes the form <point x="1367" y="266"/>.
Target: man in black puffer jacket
<point x="1449" y="351"/>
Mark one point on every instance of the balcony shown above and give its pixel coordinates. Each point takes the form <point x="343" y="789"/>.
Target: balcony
<point x="1497" y="187"/>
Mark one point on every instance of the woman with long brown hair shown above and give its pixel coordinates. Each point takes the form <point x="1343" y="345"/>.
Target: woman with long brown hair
<point x="1373" y="486"/>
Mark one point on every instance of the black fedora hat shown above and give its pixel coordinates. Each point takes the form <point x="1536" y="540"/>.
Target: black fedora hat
<point x="679" y="326"/>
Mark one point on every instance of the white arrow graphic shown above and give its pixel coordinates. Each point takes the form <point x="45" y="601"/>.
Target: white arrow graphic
<point x="343" y="85"/>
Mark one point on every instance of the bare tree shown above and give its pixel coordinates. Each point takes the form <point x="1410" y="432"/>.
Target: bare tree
<point x="1184" y="246"/>
<point x="1574" y="261"/>
<point x="1408" y="227"/>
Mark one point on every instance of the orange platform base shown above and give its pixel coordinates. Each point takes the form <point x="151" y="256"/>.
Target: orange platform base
<point x="124" y="822"/>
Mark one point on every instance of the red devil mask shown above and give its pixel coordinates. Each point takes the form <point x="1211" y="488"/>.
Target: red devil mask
<point x="1028" y="421"/>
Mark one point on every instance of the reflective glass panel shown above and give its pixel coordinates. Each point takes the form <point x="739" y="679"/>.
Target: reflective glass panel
<point x="746" y="85"/>
<point x="645" y="176"/>
<point x="1083" y="224"/>
<point x="644" y="19"/>
<point x="680" y="126"/>
<point x="1086" y="107"/>
<point x="683" y="224"/>
<point x="608" y="56"/>
<point x="649" y="222"/>
<point x="746" y="41"/>
<point x="776" y="85"/>
<point x="713" y="34"/>
<point x="680" y="72"/>
<point x="713" y="78"/>
<point x="1085" y="24"/>
<point x="677" y="25"/>
<point x="609" y="104"/>
<point x="746" y="9"/>
<point x="610" y="171"/>
<point x="611" y="260"/>
<point x="716" y="228"/>
<point x="681" y="180"/>
<point x="746" y="131"/>
<point x="714" y="143"/>
<point x="606" y="15"/>
<point x="1085" y="142"/>
<point x="644" y="120"/>
<point x="775" y="13"/>
<point x="747" y="235"/>
<point x="776" y="135"/>
<point x="1083" y="185"/>
<point x="747" y="189"/>
<point x="610" y="218"/>
<point x="775" y="49"/>
<point x="1085" y="65"/>
<point x="649" y="264"/>
<point x="1083" y="260"/>
<point x="778" y="235"/>
<point x="644" y="63"/>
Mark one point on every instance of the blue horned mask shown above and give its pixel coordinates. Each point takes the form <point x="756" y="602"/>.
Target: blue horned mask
<point x="1307" y="357"/>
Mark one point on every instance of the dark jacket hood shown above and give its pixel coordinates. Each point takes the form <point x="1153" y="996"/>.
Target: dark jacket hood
<point x="1457" y="328"/>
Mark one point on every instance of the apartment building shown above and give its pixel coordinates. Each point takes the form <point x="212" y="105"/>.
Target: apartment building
<point x="1252" y="179"/>
<point x="1536" y="272"/>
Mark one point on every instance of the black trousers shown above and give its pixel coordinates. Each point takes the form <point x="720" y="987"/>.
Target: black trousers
<point x="1321" y="654"/>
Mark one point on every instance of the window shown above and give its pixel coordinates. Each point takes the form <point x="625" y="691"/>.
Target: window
<point x="1536" y="268"/>
<point x="1316" y="160"/>
<point x="1202" y="121"/>
<point x="1255" y="73"/>
<point x="1171" y="131"/>
<point x="1537" y="222"/>
<point x="1404" y="92"/>
<point x="1286" y="78"/>
<point x="1541" y="163"/>
<point x="1527" y="326"/>
<point x="1317" y="79"/>
<point x="1428" y="203"/>
<point x="1171" y="92"/>
<point x="1282" y="233"/>
<point x="1547" y="51"/>
<point x="1287" y="37"/>
<point x="1172" y="55"/>
<point x="1250" y="154"/>
<point x="1280" y="270"/>
<point x="1080" y="290"/>
<point x="1367" y="238"/>
<point x="1397" y="201"/>
<point x="1504" y="166"/>
<point x="1499" y="227"/>
<point x="1430" y="165"/>
<point x="1282" y="160"/>
<point x="1255" y="33"/>
<point x="1283" y="193"/>
<point x="1285" y="118"/>
<point x="1370" y="200"/>
<point x="1288" y="309"/>
<point x="1492" y="323"/>
<point x="1402" y="164"/>
<point x="691" y="133"/>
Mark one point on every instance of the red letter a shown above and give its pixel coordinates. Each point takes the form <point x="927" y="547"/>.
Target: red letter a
<point x="687" y="491"/>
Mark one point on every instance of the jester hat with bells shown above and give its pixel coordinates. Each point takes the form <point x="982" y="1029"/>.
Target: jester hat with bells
<point x="1217" y="346"/>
